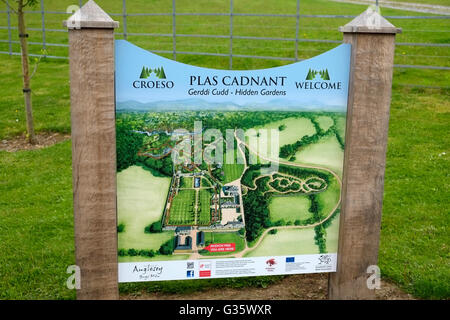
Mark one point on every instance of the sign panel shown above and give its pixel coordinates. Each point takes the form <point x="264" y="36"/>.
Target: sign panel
<point x="228" y="173"/>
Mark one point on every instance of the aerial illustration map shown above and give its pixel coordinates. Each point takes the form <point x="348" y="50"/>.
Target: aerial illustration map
<point x="226" y="173"/>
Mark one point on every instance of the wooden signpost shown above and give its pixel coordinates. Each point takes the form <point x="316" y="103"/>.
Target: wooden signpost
<point x="373" y="44"/>
<point x="91" y="42"/>
<point x="91" y="51"/>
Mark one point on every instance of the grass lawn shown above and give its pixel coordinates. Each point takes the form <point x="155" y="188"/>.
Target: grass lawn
<point x="205" y="183"/>
<point x="325" y="122"/>
<point x="329" y="198"/>
<point x="289" y="208"/>
<point x="295" y="129"/>
<point x="332" y="236"/>
<point x="327" y="153"/>
<point x="426" y="31"/>
<point x="414" y="245"/>
<point x="187" y="182"/>
<point x="233" y="170"/>
<point x="158" y="257"/>
<point x="182" y="208"/>
<point x="36" y="223"/>
<point x="140" y="201"/>
<point x="224" y="237"/>
<point x="204" y="204"/>
<point x="36" y="220"/>
<point x="286" y="242"/>
<point x="340" y="125"/>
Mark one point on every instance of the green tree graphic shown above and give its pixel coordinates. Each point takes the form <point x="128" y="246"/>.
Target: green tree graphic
<point x="146" y="72"/>
<point x="143" y="73"/>
<point x="162" y="75"/>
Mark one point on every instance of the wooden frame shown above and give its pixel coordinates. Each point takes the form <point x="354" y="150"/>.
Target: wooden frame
<point x="91" y="49"/>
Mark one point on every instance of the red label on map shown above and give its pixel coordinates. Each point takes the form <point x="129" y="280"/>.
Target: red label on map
<point x="221" y="247"/>
<point x="205" y="273"/>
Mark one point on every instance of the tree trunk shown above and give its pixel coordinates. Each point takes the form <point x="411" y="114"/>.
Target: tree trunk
<point x="26" y="73"/>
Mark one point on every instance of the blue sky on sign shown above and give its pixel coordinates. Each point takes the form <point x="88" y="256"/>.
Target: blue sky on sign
<point x="130" y="59"/>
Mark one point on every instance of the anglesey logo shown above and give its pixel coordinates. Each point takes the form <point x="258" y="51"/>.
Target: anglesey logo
<point x="146" y="73"/>
<point x="313" y="73"/>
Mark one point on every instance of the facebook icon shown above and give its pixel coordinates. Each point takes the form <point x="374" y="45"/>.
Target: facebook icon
<point x="190" y="273"/>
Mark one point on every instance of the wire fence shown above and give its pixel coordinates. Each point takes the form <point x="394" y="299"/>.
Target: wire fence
<point x="228" y="51"/>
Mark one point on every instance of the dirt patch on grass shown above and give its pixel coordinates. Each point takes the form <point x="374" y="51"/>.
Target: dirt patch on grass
<point x="44" y="139"/>
<point x="295" y="287"/>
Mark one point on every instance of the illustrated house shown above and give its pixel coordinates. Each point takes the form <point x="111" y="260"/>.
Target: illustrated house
<point x="183" y="243"/>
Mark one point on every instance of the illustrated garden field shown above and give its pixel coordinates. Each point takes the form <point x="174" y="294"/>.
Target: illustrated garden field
<point x="241" y="202"/>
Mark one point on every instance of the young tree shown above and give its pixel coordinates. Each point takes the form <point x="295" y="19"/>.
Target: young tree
<point x="18" y="9"/>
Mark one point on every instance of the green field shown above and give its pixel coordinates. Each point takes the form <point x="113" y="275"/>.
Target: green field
<point x="286" y="242"/>
<point x="182" y="208"/>
<point x="426" y="31"/>
<point x="232" y="170"/>
<point x="326" y="153"/>
<point x="186" y="182"/>
<point x="205" y="183"/>
<point x="325" y="122"/>
<point x="340" y="125"/>
<point x="332" y="235"/>
<point x="223" y="237"/>
<point x="204" y="204"/>
<point x="295" y="129"/>
<point x="289" y="208"/>
<point x="36" y="217"/>
<point x="329" y="198"/>
<point x="155" y="258"/>
<point x="140" y="202"/>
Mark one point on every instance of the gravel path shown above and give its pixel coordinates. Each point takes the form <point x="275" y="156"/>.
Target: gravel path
<point x="408" y="6"/>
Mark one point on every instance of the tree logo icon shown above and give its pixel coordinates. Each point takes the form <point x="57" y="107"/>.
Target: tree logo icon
<point x="313" y="73"/>
<point x="146" y="72"/>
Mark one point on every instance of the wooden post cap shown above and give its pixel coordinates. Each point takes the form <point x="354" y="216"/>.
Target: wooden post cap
<point x="90" y="16"/>
<point x="370" y="21"/>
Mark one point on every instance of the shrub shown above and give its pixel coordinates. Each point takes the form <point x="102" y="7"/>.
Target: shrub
<point x="168" y="247"/>
<point x="273" y="231"/>
<point x="156" y="227"/>
<point x="132" y="252"/>
<point x="120" y="227"/>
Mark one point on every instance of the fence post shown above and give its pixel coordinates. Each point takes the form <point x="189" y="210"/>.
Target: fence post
<point x="8" y="10"/>
<point x="231" y="35"/>
<point x="372" y="55"/>
<point x="91" y="52"/>
<point x="124" y="19"/>
<point x="297" y="29"/>
<point x="43" y="25"/>
<point x="174" y="30"/>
